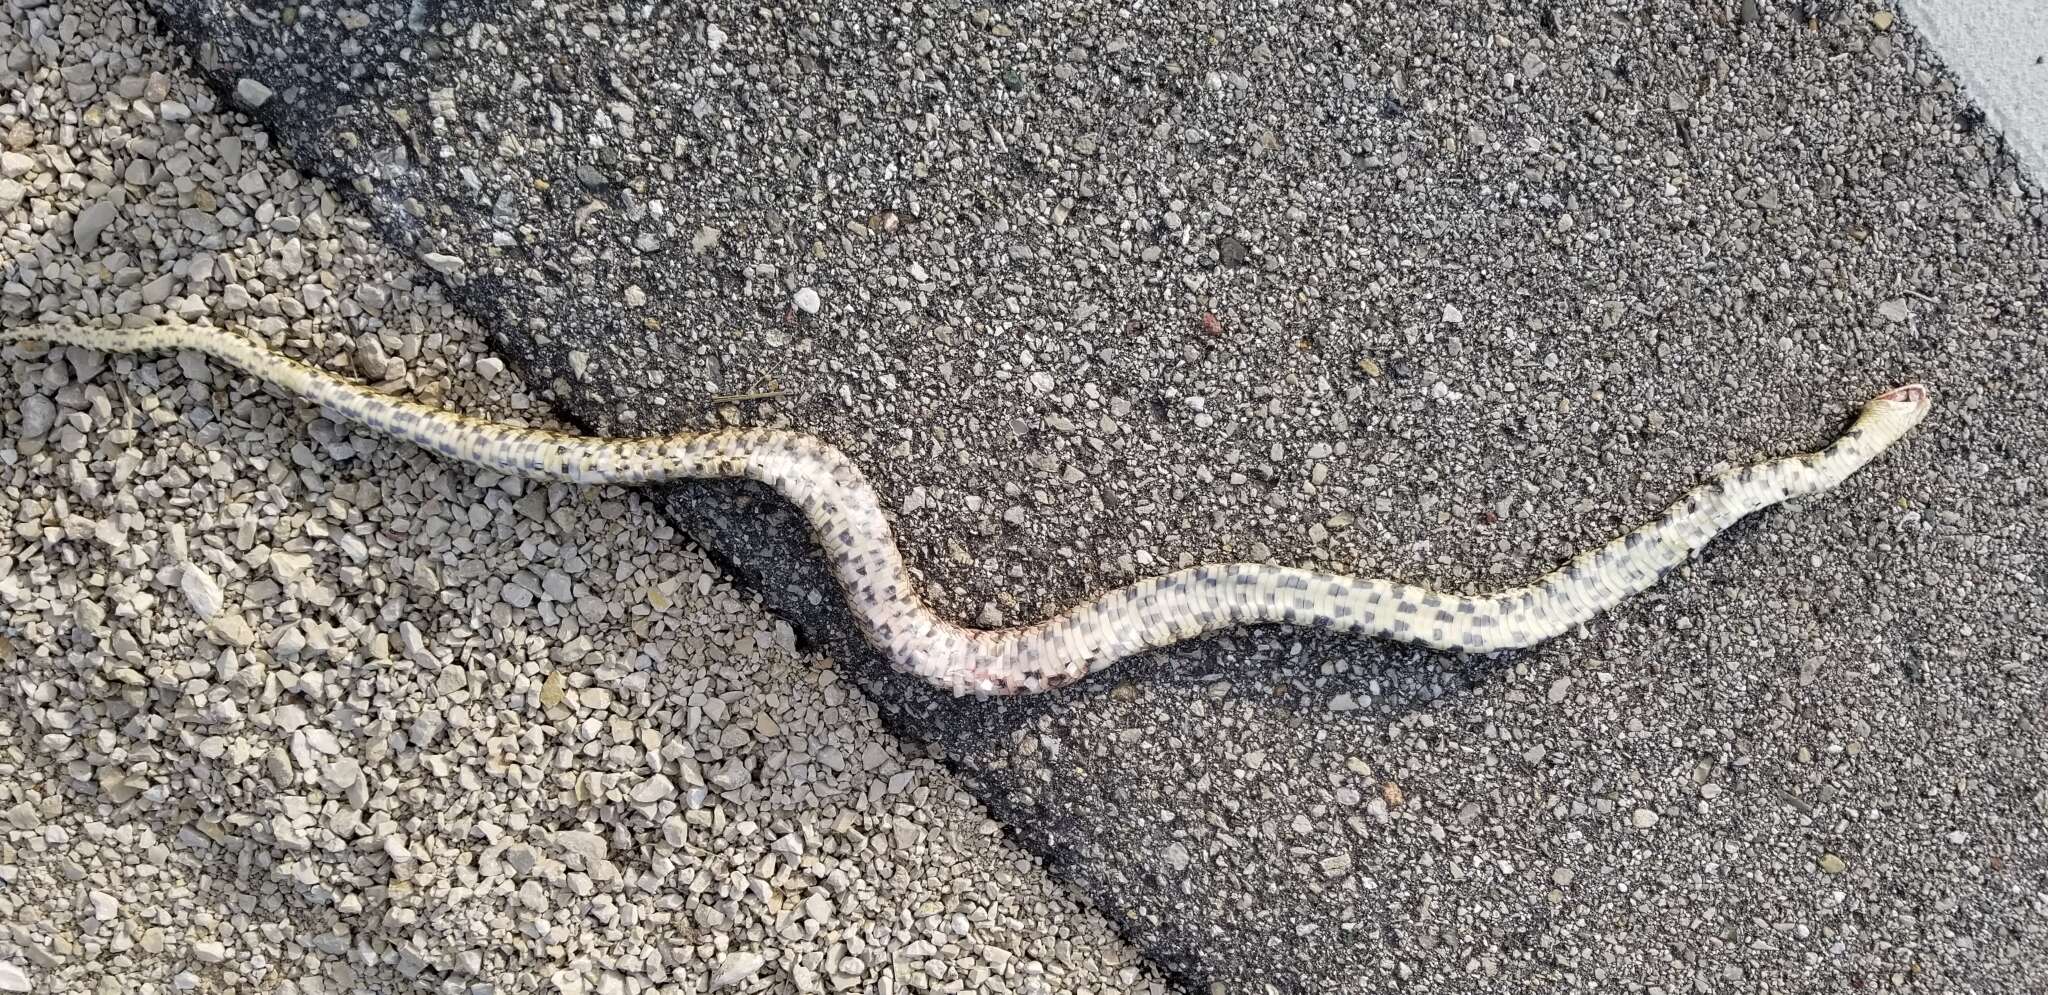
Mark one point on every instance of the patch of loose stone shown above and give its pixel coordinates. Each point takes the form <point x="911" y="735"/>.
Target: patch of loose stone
<point x="285" y="708"/>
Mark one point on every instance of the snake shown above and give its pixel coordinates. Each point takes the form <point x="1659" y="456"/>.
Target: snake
<point x="847" y="520"/>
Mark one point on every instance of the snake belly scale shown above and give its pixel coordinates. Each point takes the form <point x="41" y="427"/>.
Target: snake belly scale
<point x="847" y="520"/>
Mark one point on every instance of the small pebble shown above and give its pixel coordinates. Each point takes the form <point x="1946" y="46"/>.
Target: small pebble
<point x="201" y="592"/>
<point x="38" y="416"/>
<point x="86" y="228"/>
<point x="735" y="968"/>
<point x="251" y="93"/>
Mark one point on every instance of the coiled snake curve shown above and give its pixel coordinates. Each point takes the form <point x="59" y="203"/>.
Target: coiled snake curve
<point x="848" y="522"/>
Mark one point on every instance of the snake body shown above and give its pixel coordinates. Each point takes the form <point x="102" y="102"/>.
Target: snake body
<point x="847" y="520"/>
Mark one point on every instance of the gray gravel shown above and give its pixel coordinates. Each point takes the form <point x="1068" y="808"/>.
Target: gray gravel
<point x="1443" y="294"/>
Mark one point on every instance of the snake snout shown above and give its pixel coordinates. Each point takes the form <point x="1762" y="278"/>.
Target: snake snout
<point x="1911" y="393"/>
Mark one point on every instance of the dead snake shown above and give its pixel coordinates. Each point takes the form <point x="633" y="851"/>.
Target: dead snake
<point x="848" y="521"/>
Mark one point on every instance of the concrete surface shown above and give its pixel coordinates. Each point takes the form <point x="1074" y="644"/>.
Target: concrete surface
<point x="1999" y="50"/>
<point x="1444" y="294"/>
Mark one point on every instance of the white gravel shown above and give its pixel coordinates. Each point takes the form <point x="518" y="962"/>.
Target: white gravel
<point x="289" y="709"/>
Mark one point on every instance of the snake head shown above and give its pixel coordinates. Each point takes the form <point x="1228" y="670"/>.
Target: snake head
<point x="1913" y="394"/>
<point x="1906" y="405"/>
<point x="1894" y="413"/>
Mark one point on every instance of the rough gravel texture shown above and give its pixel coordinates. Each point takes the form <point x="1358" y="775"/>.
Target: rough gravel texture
<point x="1441" y="292"/>
<point x="288" y="709"/>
